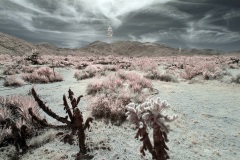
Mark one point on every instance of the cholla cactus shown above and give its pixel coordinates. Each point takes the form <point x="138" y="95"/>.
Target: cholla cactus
<point x="153" y="113"/>
<point x="150" y="114"/>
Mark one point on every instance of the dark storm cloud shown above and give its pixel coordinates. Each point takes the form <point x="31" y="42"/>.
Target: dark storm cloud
<point x="74" y="23"/>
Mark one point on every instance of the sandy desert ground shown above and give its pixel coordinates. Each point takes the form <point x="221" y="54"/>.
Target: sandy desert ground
<point x="207" y="126"/>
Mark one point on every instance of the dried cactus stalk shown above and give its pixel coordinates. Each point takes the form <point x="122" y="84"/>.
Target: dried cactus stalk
<point x="67" y="108"/>
<point x="49" y="111"/>
<point x="18" y="135"/>
<point x="80" y="128"/>
<point x="42" y="122"/>
<point x="160" y="146"/>
<point x="147" y="145"/>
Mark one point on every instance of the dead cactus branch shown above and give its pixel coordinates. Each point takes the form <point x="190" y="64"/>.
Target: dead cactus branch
<point x="76" y="122"/>
<point x="49" y="111"/>
<point x="42" y="122"/>
<point x="18" y="135"/>
<point x="67" y="108"/>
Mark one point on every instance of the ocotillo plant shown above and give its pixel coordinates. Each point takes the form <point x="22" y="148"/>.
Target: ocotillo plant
<point x="150" y="114"/>
<point x="76" y="118"/>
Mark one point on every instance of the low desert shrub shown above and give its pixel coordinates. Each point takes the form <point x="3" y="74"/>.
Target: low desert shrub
<point x="14" y="116"/>
<point x="111" y="68"/>
<point x="234" y="66"/>
<point x="13" y="69"/>
<point x="209" y="71"/>
<point x="153" y="74"/>
<point x="89" y="72"/>
<point x="42" y="75"/>
<point x="168" y="78"/>
<point x="13" y="80"/>
<point x="144" y="64"/>
<point x="156" y="75"/>
<point x="109" y="97"/>
<point x="236" y="79"/>
<point x="27" y="69"/>
<point x="18" y="106"/>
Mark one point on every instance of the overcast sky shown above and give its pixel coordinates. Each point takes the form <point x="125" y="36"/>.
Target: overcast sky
<point x="75" y="23"/>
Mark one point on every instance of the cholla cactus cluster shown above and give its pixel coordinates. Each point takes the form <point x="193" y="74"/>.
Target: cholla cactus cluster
<point x="150" y="114"/>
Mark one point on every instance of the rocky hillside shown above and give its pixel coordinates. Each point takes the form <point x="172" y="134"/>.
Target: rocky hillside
<point x="15" y="46"/>
<point x="129" y="48"/>
<point x="12" y="45"/>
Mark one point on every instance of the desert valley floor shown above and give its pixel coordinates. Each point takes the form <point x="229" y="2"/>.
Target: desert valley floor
<point x="207" y="126"/>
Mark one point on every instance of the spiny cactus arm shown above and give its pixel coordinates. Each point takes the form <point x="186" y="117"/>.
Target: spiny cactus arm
<point x="159" y="143"/>
<point x="75" y="102"/>
<point x="170" y="118"/>
<point x="42" y="122"/>
<point x="163" y="127"/>
<point x="78" y="99"/>
<point x="87" y="123"/>
<point x="67" y="108"/>
<point x="132" y="116"/>
<point x="147" y="145"/>
<point x="70" y="94"/>
<point x="138" y="134"/>
<point x="47" y="110"/>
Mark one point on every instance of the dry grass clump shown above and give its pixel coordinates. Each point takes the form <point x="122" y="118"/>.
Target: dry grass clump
<point x="94" y="70"/>
<point x="236" y="79"/>
<point x="144" y="64"/>
<point x="43" y="138"/>
<point x="12" y="69"/>
<point x="14" y="117"/>
<point x="27" y="69"/>
<point x="42" y="75"/>
<point x="156" y="75"/>
<point x="208" y="70"/>
<point x="13" y="80"/>
<point x="89" y="72"/>
<point x="109" y="97"/>
<point x="18" y="107"/>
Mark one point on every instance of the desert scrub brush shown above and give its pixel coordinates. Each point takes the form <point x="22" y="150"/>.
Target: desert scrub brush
<point x="149" y="114"/>
<point x="42" y="75"/>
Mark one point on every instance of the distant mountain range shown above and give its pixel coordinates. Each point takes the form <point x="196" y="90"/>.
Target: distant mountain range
<point x="15" y="46"/>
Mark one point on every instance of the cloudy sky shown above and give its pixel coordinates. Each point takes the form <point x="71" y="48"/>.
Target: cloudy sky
<point x="75" y="23"/>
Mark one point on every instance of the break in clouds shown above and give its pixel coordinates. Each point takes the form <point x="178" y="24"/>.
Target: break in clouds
<point x="75" y="23"/>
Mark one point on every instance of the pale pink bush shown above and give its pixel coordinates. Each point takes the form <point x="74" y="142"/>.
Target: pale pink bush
<point x="89" y="72"/>
<point x="111" y="68"/>
<point x="27" y="69"/>
<point x="12" y="69"/>
<point x="112" y="94"/>
<point x="153" y="74"/>
<point x="109" y="108"/>
<point x="236" y="79"/>
<point x="234" y="66"/>
<point x="209" y="70"/>
<point x="156" y="75"/>
<point x="144" y="64"/>
<point x="16" y="107"/>
<point x="42" y="75"/>
<point x="93" y="88"/>
<point x="13" y="80"/>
